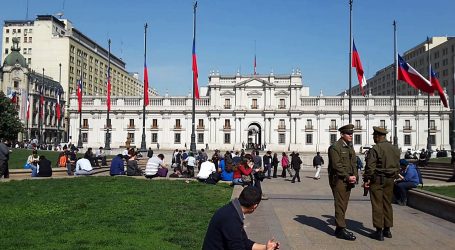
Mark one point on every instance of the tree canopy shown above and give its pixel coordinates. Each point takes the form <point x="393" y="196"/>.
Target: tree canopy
<point x="10" y="124"/>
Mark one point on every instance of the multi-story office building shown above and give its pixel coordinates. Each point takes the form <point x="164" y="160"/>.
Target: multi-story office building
<point x="67" y="54"/>
<point x="442" y="55"/>
<point x="237" y="111"/>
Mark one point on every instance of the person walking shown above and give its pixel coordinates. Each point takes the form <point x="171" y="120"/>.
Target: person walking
<point x="275" y="162"/>
<point x="285" y="165"/>
<point x="342" y="178"/>
<point x="318" y="161"/>
<point x="383" y="164"/>
<point x="267" y="159"/>
<point x="295" y="163"/>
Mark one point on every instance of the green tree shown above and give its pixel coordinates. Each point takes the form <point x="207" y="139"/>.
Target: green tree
<point x="10" y="124"/>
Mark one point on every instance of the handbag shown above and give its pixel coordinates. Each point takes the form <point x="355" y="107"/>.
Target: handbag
<point x="246" y="179"/>
<point x="27" y="166"/>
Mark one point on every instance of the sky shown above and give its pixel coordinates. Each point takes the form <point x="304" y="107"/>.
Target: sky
<point x="306" y="34"/>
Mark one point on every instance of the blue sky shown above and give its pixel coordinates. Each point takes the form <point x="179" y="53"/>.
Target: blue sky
<point x="306" y="34"/>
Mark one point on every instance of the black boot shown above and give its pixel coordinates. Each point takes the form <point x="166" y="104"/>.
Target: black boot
<point x="387" y="232"/>
<point x="342" y="233"/>
<point x="378" y="235"/>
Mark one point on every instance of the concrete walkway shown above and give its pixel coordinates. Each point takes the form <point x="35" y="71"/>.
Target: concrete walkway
<point x="300" y="216"/>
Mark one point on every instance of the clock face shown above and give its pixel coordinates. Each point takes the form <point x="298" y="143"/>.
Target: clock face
<point x="16" y="73"/>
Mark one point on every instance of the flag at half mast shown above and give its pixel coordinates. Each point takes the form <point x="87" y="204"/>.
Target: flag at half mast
<point x="357" y="64"/>
<point x="408" y="74"/>
<point x="194" y="64"/>
<point x="437" y="86"/>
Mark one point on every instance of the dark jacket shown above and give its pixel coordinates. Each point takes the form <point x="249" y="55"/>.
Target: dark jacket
<point x="4" y="152"/>
<point x="117" y="166"/>
<point x="296" y="161"/>
<point x="317" y="160"/>
<point x="267" y="159"/>
<point x="150" y="153"/>
<point x="225" y="230"/>
<point x="133" y="169"/>
<point x="45" y="168"/>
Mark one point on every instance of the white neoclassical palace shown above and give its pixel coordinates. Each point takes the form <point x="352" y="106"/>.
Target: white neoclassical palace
<point x="271" y="110"/>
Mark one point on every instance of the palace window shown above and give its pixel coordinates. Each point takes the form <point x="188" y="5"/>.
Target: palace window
<point x="131" y="123"/>
<point x="382" y="124"/>
<point x="282" y="124"/>
<point x="200" y="138"/>
<point x="281" y="138"/>
<point x="333" y="124"/>
<point x="227" y="103"/>
<point x="227" y="123"/>
<point x="155" y="123"/>
<point x="433" y="140"/>
<point x="309" y="138"/>
<point x="357" y="124"/>
<point x="131" y="137"/>
<point x="154" y="137"/>
<point x="432" y="125"/>
<point x="333" y="138"/>
<point x="85" y="137"/>
<point x="177" y="138"/>
<point x="254" y="103"/>
<point x="200" y="123"/>
<point x="282" y="104"/>
<point x="227" y="138"/>
<point x="85" y="123"/>
<point x="357" y="139"/>
<point x="407" y="140"/>
<point x="177" y="123"/>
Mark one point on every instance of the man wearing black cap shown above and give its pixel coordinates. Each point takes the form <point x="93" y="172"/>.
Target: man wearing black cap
<point x="342" y="178"/>
<point x="383" y="164"/>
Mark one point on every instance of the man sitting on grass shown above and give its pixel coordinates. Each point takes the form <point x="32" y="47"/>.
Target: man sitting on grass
<point x="207" y="168"/>
<point x="83" y="167"/>
<point x="225" y="230"/>
<point x="154" y="164"/>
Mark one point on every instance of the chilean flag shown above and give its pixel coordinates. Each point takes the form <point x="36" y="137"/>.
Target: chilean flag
<point x="146" y="85"/>
<point x="13" y="96"/>
<point x="357" y="64"/>
<point x="79" y="94"/>
<point x="195" y="72"/>
<point x="57" y="106"/>
<point x="28" y="108"/>
<point x="412" y="77"/>
<point x="108" y="101"/>
<point x="41" y="102"/>
<point x="435" y="82"/>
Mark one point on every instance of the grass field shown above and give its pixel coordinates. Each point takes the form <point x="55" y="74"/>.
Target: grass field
<point x="107" y="213"/>
<point x="441" y="160"/>
<point x="444" y="190"/>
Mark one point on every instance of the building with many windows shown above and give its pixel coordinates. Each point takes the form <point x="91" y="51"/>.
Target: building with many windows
<point x="67" y="54"/>
<point x="26" y="85"/>
<point x="442" y="56"/>
<point x="238" y="111"/>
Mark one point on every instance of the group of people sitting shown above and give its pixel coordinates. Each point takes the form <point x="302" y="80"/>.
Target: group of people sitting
<point x="155" y="165"/>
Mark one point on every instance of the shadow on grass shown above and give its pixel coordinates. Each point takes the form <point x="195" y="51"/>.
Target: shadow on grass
<point x="326" y="225"/>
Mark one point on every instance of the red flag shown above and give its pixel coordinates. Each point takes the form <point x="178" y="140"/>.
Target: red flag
<point x="57" y="106"/>
<point x="195" y="72"/>
<point x="435" y="82"/>
<point x="28" y="108"/>
<point x="357" y="64"/>
<point x="146" y="85"/>
<point x="108" y="101"/>
<point x="79" y="95"/>
<point x="41" y="102"/>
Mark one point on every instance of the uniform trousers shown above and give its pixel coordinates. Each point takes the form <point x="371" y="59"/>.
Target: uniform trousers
<point x="341" y="193"/>
<point x="381" y="194"/>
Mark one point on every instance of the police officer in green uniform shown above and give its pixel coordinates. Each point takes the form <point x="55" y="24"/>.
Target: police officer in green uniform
<point x="342" y="178"/>
<point x="382" y="166"/>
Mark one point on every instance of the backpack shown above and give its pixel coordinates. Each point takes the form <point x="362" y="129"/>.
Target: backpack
<point x="62" y="161"/>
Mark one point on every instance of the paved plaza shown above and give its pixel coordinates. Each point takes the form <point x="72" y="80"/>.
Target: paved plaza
<point x="300" y="216"/>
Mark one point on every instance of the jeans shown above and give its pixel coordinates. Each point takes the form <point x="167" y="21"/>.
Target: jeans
<point x="401" y="189"/>
<point x="34" y="170"/>
<point x="297" y="175"/>
<point x="268" y="168"/>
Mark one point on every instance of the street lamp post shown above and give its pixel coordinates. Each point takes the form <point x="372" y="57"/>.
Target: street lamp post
<point x="107" y="140"/>
<point x="79" y="141"/>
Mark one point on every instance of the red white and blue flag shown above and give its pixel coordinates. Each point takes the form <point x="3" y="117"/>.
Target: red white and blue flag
<point x="57" y="106"/>
<point x="412" y="77"/>
<point x="108" y="101"/>
<point x="13" y="96"/>
<point x="437" y="86"/>
<point x="146" y="85"/>
<point x="79" y="95"/>
<point x="357" y="64"/>
<point x="28" y="108"/>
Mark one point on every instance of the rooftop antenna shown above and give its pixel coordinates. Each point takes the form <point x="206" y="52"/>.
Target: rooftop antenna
<point x="60" y="14"/>
<point x="26" y="13"/>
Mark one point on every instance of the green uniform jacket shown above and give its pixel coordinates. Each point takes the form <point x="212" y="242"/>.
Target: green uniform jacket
<point x="342" y="161"/>
<point x="383" y="159"/>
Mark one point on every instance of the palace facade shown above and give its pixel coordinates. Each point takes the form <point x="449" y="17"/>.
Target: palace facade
<point x="271" y="110"/>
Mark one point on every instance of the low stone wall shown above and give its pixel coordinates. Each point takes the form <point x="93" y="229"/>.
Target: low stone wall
<point x="438" y="205"/>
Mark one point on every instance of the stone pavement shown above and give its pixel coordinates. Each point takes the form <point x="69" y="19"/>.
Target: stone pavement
<point x="300" y="216"/>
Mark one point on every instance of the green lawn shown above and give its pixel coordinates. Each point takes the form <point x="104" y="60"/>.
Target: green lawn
<point x="19" y="156"/>
<point x="444" y="190"/>
<point x="107" y="213"/>
<point x="441" y="160"/>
